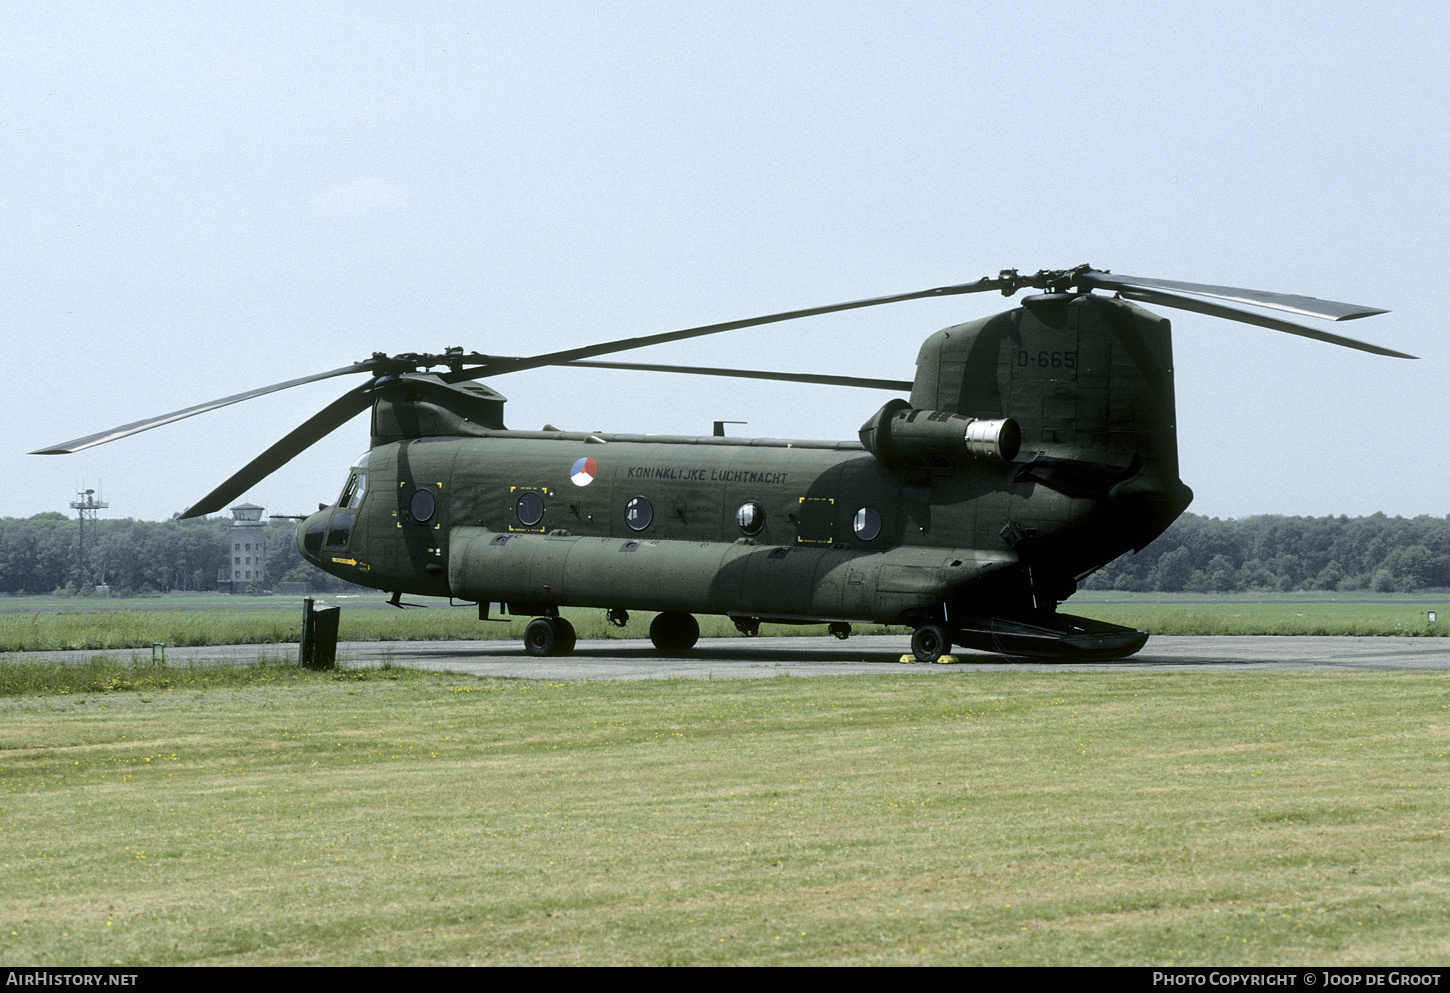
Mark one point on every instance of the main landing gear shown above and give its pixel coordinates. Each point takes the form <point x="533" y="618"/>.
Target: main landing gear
<point x="549" y="636"/>
<point x="674" y="631"/>
<point x="930" y="642"/>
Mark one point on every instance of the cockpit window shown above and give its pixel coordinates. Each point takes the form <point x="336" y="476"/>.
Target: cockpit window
<point x="357" y="483"/>
<point x="352" y="493"/>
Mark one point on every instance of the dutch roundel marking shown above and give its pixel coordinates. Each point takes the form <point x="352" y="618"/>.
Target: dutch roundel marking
<point x="584" y="471"/>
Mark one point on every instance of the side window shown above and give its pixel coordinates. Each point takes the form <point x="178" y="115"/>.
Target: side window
<point x="421" y="507"/>
<point x="866" y="523"/>
<point x="750" y="518"/>
<point x="638" y="513"/>
<point x="529" y="508"/>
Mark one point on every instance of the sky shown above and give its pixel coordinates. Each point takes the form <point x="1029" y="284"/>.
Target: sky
<point x="201" y="199"/>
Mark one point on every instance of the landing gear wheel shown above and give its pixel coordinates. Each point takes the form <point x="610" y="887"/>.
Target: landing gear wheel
<point x="674" y="631"/>
<point x="548" y="636"/>
<point x="563" y="637"/>
<point x="539" y="637"/>
<point x="930" y="642"/>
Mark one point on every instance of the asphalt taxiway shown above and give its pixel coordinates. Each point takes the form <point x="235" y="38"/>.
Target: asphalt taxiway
<point x="755" y="658"/>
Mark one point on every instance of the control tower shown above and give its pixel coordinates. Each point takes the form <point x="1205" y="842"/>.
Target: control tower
<point x="248" y="556"/>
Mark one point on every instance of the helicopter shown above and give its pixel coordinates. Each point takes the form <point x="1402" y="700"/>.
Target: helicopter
<point x="1033" y="447"/>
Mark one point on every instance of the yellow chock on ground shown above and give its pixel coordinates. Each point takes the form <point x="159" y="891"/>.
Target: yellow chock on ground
<point x="944" y="660"/>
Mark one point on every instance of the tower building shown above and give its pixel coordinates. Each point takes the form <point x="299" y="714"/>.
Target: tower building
<point x="248" y="554"/>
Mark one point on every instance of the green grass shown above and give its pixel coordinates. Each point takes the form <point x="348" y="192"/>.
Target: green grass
<point x="156" y="601"/>
<point x="269" y="816"/>
<point x="57" y="624"/>
<point x="129" y="629"/>
<point x="1250" y="614"/>
<point x="109" y="674"/>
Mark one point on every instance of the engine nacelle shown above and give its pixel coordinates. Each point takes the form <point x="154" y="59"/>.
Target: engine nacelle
<point x="903" y="438"/>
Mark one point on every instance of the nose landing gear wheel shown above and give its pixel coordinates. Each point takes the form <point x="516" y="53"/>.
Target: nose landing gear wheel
<point x="674" y="631"/>
<point x="549" y="636"/>
<point x="930" y="643"/>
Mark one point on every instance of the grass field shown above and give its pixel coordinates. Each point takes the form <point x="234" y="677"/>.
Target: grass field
<point x="271" y="816"/>
<point x="42" y="629"/>
<point x="1357" y="614"/>
<point x="38" y="624"/>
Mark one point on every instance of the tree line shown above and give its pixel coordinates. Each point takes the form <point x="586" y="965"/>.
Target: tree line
<point x="40" y="554"/>
<point x="1207" y="555"/>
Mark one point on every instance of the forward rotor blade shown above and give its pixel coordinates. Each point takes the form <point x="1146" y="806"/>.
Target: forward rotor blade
<point x="895" y="385"/>
<point x="311" y="431"/>
<point x="136" y="427"/>
<point x="1165" y="299"/>
<point x="498" y="366"/>
<point x="1308" y="306"/>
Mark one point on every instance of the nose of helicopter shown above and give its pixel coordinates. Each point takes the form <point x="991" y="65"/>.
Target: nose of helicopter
<point x="310" y="535"/>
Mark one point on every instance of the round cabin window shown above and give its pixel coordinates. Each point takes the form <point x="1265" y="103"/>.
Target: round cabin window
<point x="866" y="523"/>
<point x="530" y="509"/>
<point x="638" y="513"/>
<point x="422" y="505"/>
<point x="750" y="517"/>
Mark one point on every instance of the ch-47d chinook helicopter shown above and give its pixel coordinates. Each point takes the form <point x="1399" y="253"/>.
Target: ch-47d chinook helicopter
<point x="1037" y="446"/>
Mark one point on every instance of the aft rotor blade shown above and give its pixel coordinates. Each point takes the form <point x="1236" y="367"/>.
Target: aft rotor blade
<point x="498" y="366"/>
<point x="895" y="385"/>
<point x="1165" y="299"/>
<point x="1308" y="306"/>
<point x="311" y="431"/>
<point x="136" y="427"/>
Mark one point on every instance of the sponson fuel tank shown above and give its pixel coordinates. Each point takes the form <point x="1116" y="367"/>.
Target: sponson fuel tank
<point x="529" y="572"/>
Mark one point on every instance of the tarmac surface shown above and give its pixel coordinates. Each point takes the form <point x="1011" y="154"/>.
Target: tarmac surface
<point x="755" y="658"/>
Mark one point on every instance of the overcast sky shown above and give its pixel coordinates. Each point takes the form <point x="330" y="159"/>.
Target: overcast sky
<point x="197" y="199"/>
